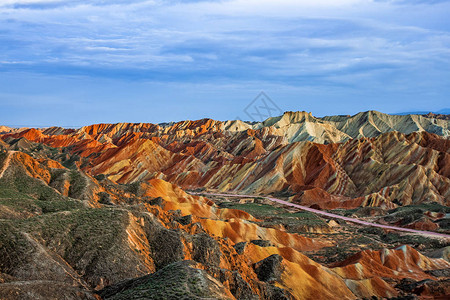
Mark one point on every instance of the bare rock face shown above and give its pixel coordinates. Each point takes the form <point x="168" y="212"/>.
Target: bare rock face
<point x="262" y="243"/>
<point x="270" y="268"/>
<point x="443" y="253"/>
<point x="3" y="146"/>
<point x="165" y="244"/>
<point x="272" y="292"/>
<point x="184" y="220"/>
<point x="206" y="250"/>
<point x="240" y="247"/>
<point x="41" y="290"/>
<point x="425" y="288"/>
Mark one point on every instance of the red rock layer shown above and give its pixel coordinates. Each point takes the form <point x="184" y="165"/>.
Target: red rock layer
<point x="388" y="170"/>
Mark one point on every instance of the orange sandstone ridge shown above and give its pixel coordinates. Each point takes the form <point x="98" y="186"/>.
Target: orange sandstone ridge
<point x="378" y="167"/>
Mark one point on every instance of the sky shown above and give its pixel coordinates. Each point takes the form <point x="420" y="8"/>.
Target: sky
<point x="79" y="62"/>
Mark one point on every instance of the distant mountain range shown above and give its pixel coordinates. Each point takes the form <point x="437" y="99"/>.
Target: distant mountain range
<point x="444" y="111"/>
<point x="342" y="160"/>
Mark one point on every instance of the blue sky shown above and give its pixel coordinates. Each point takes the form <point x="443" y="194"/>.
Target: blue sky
<point x="79" y="62"/>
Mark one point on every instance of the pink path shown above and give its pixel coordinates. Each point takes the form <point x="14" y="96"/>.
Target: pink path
<point x="319" y="212"/>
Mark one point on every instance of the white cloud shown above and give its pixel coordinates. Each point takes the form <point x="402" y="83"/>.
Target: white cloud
<point x="24" y="2"/>
<point x="284" y="38"/>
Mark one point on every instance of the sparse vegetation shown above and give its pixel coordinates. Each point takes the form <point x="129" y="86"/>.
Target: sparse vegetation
<point x="396" y="239"/>
<point x="255" y="209"/>
<point x="22" y="193"/>
<point x="297" y="222"/>
<point x="175" y="281"/>
<point x="13" y="247"/>
<point x="134" y="188"/>
<point x="77" y="184"/>
<point x="408" y="209"/>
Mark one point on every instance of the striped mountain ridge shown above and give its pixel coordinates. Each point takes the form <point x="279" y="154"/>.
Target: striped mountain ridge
<point x="292" y="126"/>
<point x="369" y="159"/>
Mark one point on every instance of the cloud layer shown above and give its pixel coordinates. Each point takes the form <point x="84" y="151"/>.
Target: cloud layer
<point x="322" y="50"/>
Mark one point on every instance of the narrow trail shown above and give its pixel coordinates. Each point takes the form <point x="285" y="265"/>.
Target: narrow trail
<point x="331" y="215"/>
<point x="6" y="163"/>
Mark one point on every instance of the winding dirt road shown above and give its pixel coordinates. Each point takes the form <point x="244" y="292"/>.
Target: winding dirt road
<point x="331" y="215"/>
